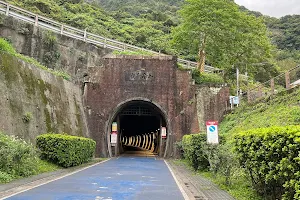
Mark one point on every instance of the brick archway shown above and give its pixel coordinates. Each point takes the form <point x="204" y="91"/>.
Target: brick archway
<point x="132" y="101"/>
<point x="154" y="80"/>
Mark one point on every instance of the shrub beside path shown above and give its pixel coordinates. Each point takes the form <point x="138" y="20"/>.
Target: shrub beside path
<point x="195" y="186"/>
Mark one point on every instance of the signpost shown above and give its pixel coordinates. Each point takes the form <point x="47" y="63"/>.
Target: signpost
<point x="234" y="100"/>
<point x="114" y="134"/>
<point x="114" y="127"/>
<point x="212" y="132"/>
<point x="113" y="138"/>
<point x="163" y="132"/>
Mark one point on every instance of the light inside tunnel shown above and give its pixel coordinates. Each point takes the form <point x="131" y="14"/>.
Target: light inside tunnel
<point x="139" y="127"/>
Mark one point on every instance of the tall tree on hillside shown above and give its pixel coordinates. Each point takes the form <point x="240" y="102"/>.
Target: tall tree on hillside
<point x="218" y="31"/>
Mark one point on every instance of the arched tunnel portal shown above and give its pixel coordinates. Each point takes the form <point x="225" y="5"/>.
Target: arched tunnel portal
<point x="137" y="127"/>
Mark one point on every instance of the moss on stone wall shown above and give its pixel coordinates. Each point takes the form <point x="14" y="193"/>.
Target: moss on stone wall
<point x="48" y="121"/>
<point x="52" y="54"/>
<point x="42" y="87"/>
<point x="7" y="67"/>
<point x="26" y="91"/>
<point x="29" y="82"/>
<point x="15" y="107"/>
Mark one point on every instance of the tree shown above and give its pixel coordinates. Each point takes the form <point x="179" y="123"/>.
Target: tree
<point x="217" y="30"/>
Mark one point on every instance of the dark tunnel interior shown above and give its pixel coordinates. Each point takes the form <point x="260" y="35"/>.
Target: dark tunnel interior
<point x="139" y="120"/>
<point x="132" y="125"/>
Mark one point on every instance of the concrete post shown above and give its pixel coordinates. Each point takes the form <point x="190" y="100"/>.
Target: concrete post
<point x="36" y="23"/>
<point x="7" y="10"/>
<point x="62" y="29"/>
<point x="84" y="35"/>
<point x="287" y="80"/>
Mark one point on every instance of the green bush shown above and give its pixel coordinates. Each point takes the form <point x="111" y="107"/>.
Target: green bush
<point x="5" y="177"/>
<point x="193" y="150"/>
<point x="65" y="150"/>
<point x="207" y="78"/>
<point x="271" y="157"/>
<point x="17" y="158"/>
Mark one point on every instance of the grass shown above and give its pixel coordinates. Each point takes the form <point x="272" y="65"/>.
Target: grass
<point x="279" y="110"/>
<point x="207" y="78"/>
<point x="133" y="53"/>
<point x="45" y="166"/>
<point x="240" y="187"/>
<point x="5" y="46"/>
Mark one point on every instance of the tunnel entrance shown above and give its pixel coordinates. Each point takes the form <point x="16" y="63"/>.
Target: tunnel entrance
<point x="139" y="125"/>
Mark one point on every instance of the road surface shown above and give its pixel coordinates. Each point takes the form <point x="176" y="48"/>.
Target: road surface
<point x="124" y="178"/>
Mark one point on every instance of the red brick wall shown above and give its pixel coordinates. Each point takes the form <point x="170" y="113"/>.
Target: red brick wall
<point x="124" y="78"/>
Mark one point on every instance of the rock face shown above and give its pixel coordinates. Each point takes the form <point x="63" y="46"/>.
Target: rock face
<point x="34" y="101"/>
<point x="212" y="103"/>
<point x="53" y="50"/>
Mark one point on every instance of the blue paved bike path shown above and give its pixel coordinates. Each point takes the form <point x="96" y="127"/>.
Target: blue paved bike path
<point x="126" y="178"/>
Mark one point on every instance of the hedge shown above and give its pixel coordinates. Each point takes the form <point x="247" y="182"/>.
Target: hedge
<point x="193" y="151"/>
<point x="271" y="156"/>
<point x="66" y="150"/>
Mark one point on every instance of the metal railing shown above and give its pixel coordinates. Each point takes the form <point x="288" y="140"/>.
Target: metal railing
<point x="282" y="82"/>
<point x="83" y="35"/>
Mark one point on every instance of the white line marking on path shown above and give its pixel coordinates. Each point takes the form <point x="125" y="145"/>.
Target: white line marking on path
<point x="54" y="179"/>
<point x="184" y="194"/>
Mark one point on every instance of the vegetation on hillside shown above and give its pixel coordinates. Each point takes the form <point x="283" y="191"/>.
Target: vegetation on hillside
<point x="148" y="25"/>
<point x="218" y="31"/>
<point x="258" y="157"/>
<point x="153" y="9"/>
<point x="219" y="164"/>
<point x="20" y="159"/>
<point x="6" y="47"/>
<point x="280" y="110"/>
<point x="140" y="31"/>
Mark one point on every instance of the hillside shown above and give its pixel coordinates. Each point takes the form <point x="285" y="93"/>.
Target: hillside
<point x="280" y="110"/>
<point x="140" y="31"/>
<point x="142" y="7"/>
<point x="148" y="24"/>
<point x="284" y="33"/>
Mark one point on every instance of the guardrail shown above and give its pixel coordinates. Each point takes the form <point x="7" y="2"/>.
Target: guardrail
<point x="83" y="35"/>
<point x="282" y="82"/>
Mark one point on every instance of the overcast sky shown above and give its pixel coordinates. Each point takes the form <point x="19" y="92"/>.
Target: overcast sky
<point x="274" y="8"/>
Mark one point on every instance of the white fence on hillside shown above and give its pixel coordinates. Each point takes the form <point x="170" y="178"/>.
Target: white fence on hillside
<point x="83" y="35"/>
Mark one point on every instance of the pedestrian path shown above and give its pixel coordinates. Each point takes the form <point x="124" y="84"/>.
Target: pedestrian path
<point x="123" y="178"/>
<point x="195" y="186"/>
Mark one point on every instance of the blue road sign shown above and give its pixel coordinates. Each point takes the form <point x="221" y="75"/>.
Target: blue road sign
<point x="212" y="128"/>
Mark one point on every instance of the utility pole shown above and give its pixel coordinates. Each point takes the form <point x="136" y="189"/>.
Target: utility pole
<point x="237" y="82"/>
<point x="237" y="86"/>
